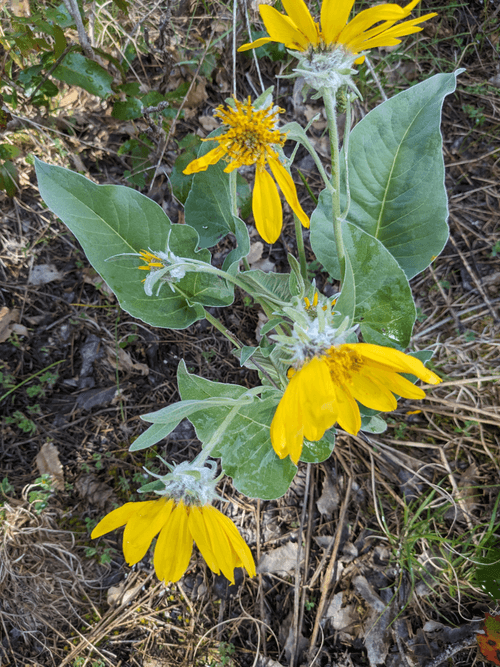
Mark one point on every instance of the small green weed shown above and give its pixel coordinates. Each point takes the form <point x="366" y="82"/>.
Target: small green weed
<point x="40" y="492"/>
<point x="23" y="423"/>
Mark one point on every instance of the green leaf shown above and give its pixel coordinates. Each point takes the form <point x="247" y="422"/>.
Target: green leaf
<point x="396" y="174"/>
<point x="245" y="449"/>
<point x="167" y="419"/>
<point x="265" y="284"/>
<point x="243" y="243"/>
<point x="208" y="206"/>
<point x="9" y="152"/>
<point x="77" y="70"/>
<point x="316" y="452"/>
<point x="322" y="236"/>
<point x="154" y="434"/>
<point x="112" y="220"/>
<point x="127" y="109"/>
<point x="376" y="284"/>
<point x="181" y="183"/>
<point x="8" y="178"/>
<point x="373" y="424"/>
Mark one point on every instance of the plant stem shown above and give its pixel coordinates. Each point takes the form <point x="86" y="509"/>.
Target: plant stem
<point x="300" y="247"/>
<point x="220" y="327"/>
<point x="347" y="133"/>
<point x="331" y="114"/>
<point x="214" y="440"/>
<point x="234" y="207"/>
<point x="56" y="363"/>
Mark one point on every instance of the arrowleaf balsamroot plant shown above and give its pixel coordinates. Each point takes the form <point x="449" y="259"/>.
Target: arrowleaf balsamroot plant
<point x="381" y="218"/>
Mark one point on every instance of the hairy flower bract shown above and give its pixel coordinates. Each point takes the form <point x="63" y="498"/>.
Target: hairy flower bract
<point x="251" y="138"/>
<point x="178" y="524"/>
<point x="325" y="388"/>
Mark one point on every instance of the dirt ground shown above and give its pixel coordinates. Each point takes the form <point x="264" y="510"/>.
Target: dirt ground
<point x="387" y="531"/>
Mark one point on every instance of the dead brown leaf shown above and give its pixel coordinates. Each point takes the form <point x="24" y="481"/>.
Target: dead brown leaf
<point x="48" y="463"/>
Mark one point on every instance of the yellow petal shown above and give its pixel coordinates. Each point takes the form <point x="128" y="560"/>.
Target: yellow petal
<point x="349" y="417"/>
<point x="334" y="15"/>
<point x="237" y="542"/>
<point x="393" y="360"/>
<point x="399" y="385"/>
<point x="117" y="518"/>
<point x="368" y="391"/>
<point x="287" y="187"/>
<point x="317" y="398"/>
<point x="297" y="10"/>
<point x="367" y="18"/>
<point x="255" y="45"/>
<point x="202" y="163"/>
<point x="282" y="29"/>
<point x="226" y="558"/>
<point x="199" y="532"/>
<point x="174" y="546"/>
<point x="266" y="206"/>
<point x="143" y="526"/>
<point x="287" y="427"/>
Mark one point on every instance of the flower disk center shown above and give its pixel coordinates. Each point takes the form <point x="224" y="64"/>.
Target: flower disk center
<point x="251" y="133"/>
<point x="342" y="364"/>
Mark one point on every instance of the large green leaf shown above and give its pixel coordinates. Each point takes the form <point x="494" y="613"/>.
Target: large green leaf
<point x="77" y="70"/>
<point x="322" y="236"/>
<point x="396" y="174"/>
<point x="112" y="220"/>
<point x="208" y="206"/>
<point x="377" y="287"/>
<point x="245" y="449"/>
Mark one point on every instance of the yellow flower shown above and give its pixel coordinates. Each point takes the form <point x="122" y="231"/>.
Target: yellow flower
<point x="325" y="390"/>
<point x="250" y="139"/>
<point x="152" y="261"/>
<point x="216" y="536"/>
<point x="370" y="28"/>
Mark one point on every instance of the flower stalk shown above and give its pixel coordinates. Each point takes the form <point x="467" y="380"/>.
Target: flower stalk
<point x="331" y="115"/>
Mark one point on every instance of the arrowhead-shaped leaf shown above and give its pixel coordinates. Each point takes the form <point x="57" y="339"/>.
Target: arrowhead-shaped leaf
<point x="112" y="220"/>
<point x="396" y="174"/>
<point x="245" y="449"/>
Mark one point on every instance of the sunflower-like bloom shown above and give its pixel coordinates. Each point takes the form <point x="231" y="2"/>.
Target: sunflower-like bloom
<point x="370" y="28"/>
<point x="250" y="138"/>
<point x="178" y="525"/>
<point x="325" y="389"/>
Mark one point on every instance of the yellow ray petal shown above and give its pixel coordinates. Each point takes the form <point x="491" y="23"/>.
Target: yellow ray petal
<point x="202" y="163"/>
<point x="368" y="391"/>
<point x="367" y="18"/>
<point x="237" y="542"/>
<point x="334" y="15"/>
<point x="174" y="546"/>
<point x="297" y="10"/>
<point x="283" y="29"/>
<point x="198" y="530"/>
<point x="287" y="427"/>
<point x="255" y="45"/>
<point x="349" y="417"/>
<point x="399" y="385"/>
<point x="287" y="187"/>
<point x="394" y="360"/>
<point x="221" y="546"/>
<point x="266" y="206"/>
<point x="142" y="527"/>
<point x="318" y="399"/>
<point x="117" y="518"/>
